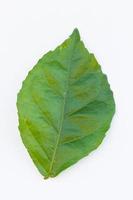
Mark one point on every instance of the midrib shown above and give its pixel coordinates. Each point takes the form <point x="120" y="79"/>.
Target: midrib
<point x="62" y="116"/>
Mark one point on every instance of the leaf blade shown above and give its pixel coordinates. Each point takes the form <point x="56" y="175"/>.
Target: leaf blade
<point x="73" y="103"/>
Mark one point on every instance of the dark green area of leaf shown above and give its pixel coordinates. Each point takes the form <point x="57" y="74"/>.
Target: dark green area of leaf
<point x="65" y="107"/>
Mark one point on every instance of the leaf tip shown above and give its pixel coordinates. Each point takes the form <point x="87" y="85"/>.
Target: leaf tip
<point x="75" y="34"/>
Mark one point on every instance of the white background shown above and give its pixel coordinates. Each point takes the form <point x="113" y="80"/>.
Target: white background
<point x="28" y="29"/>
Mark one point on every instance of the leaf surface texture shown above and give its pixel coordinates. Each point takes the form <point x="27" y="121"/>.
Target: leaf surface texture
<point x="65" y="107"/>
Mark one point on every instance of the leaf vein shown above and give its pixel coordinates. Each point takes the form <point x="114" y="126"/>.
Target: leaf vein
<point x="41" y="146"/>
<point x="45" y="116"/>
<point x="62" y="115"/>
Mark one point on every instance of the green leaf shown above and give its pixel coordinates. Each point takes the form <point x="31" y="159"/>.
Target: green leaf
<point x="65" y="107"/>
